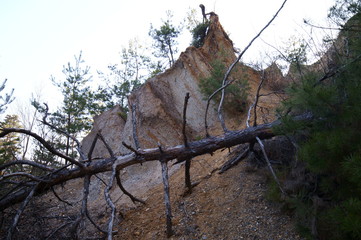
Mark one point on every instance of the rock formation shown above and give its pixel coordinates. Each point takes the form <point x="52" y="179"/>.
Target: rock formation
<point x="159" y="106"/>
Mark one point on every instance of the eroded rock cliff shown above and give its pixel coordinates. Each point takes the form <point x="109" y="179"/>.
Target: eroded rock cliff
<point x="159" y="106"/>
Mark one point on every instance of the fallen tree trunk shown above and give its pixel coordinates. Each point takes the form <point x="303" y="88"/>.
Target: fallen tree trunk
<point x="180" y="152"/>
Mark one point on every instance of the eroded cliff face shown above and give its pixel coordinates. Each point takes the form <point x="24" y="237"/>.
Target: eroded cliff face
<point x="159" y="104"/>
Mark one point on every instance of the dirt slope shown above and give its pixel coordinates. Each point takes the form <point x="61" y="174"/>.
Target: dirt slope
<point x="231" y="205"/>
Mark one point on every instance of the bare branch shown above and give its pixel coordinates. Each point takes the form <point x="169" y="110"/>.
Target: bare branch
<point x="27" y="162"/>
<point x="92" y="146"/>
<point x="134" y="122"/>
<point x="234" y="161"/>
<point x="269" y="164"/>
<point x="130" y="148"/>
<point x="179" y="152"/>
<point x="120" y="185"/>
<point x="254" y="105"/>
<point x="5" y="131"/>
<point x="335" y="71"/>
<point x="167" y="203"/>
<point x="58" y="229"/>
<point x="225" y="82"/>
<point x="22" y="174"/>
<point x="59" y="198"/>
<point x="44" y="121"/>
<point x="185" y="119"/>
<point x="84" y="209"/>
<point x="209" y="101"/>
<point x="187" y="165"/>
<point x="111" y="153"/>
<point x="19" y="212"/>
<point x="110" y="202"/>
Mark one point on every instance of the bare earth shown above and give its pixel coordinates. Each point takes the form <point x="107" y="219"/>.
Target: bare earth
<point x="231" y="205"/>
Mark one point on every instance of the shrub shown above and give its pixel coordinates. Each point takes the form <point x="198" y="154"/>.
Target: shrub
<point x="199" y="33"/>
<point x="236" y="93"/>
<point x="332" y="149"/>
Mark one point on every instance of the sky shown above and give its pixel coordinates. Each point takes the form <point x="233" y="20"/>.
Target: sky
<point x="38" y="37"/>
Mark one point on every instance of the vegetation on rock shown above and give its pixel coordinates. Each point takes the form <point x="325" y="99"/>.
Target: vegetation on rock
<point x="328" y="202"/>
<point x="237" y="92"/>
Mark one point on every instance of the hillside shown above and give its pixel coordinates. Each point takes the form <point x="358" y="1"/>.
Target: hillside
<point x="231" y="205"/>
<point x="159" y="108"/>
<point x="228" y="206"/>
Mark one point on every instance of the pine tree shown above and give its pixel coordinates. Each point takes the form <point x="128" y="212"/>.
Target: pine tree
<point x="10" y="144"/>
<point x="165" y="39"/>
<point x="332" y="142"/>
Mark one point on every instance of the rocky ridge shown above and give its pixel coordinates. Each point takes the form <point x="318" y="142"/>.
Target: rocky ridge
<point x="159" y="106"/>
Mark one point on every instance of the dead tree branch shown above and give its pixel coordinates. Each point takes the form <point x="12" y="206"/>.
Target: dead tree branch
<point x="18" y="214"/>
<point x="110" y="202"/>
<point x="269" y="164"/>
<point x="187" y="165"/>
<point x="59" y="198"/>
<point x="84" y="210"/>
<point x="27" y="162"/>
<point x="134" y="123"/>
<point x="111" y="153"/>
<point x="92" y="146"/>
<point x="120" y="185"/>
<point x="117" y="174"/>
<point x="21" y="174"/>
<point x="226" y="76"/>
<point x="254" y="105"/>
<point x="45" y="122"/>
<point x="168" y="210"/>
<point x="179" y="152"/>
<point x="6" y="131"/>
<point x="234" y="161"/>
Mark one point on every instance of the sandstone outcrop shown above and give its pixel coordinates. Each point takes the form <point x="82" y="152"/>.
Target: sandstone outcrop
<point x="159" y="106"/>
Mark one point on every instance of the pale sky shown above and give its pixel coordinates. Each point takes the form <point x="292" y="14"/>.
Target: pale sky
<point x="38" y="37"/>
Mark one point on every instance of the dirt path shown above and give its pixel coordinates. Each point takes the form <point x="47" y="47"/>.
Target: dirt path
<point x="227" y="206"/>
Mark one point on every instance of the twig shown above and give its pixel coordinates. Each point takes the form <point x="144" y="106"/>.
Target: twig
<point x="335" y="71"/>
<point x="5" y="131"/>
<point x="168" y="210"/>
<point x="58" y="229"/>
<point x="111" y="153"/>
<point x="130" y="148"/>
<point x="31" y="163"/>
<point x="120" y="185"/>
<point x="185" y="119"/>
<point x="187" y="165"/>
<point x="234" y="161"/>
<point x="23" y="174"/>
<point x="58" y="197"/>
<point x="92" y="146"/>
<point x="225" y="79"/>
<point x="254" y="105"/>
<point x="19" y="212"/>
<point x="84" y="210"/>
<point x="256" y="100"/>
<point x="110" y="202"/>
<point x="209" y="101"/>
<point x="269" y="164"/>
<point x="134" y="122"/>
<point x="44" y="121"/>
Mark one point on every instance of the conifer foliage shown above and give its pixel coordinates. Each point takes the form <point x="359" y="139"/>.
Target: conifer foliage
<point x="329" y="204"/>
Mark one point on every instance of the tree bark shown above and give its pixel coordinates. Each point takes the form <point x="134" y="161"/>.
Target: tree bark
<point x="180" y="152"/>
